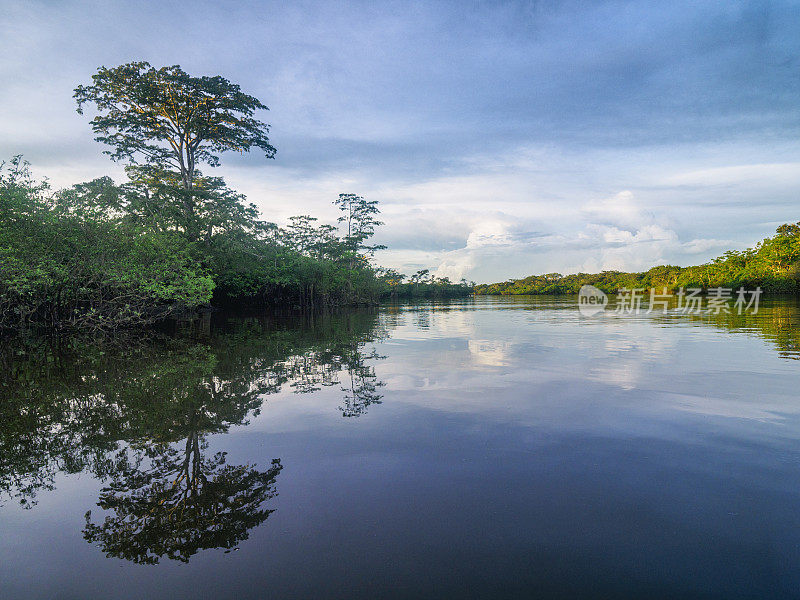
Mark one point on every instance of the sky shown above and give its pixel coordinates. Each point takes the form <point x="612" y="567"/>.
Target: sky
<point x="500" y="139"/>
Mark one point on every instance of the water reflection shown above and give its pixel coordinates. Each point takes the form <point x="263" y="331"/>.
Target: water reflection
<point x="175" y="502"/>
<point x="778" y="321"/>
<point x="145" y="416"/>
<point x="136" y="414"/>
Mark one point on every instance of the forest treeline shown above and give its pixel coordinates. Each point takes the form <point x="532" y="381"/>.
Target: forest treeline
<point x="171" y="239"/>
<point x="773" y="264"/>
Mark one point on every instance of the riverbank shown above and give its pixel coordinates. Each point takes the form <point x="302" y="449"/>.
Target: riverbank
<point x="102" y="256"/>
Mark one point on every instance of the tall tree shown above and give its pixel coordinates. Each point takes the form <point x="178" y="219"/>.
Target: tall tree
<point x="359" y="219"/>
<point x="359" y="223"/>
<point x="172" y="120"/>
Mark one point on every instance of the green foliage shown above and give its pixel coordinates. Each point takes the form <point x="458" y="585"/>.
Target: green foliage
<point x="359" y="223"/>
<point x="99" y="255"/>
<point x="67" y="261"/>
<point x="154" y="198"/>
<point x="774" y="265"/>
<point x="424" y="285"/>
<point x="170" y="118"/>
<point x="303" y="265"/>
<point x="175" y="122"/>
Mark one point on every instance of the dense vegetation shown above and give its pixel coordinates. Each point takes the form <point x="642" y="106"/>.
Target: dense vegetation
<point x="773" y="264"/>
<point x="171" y="240"/>
<point x="423" y="284"/>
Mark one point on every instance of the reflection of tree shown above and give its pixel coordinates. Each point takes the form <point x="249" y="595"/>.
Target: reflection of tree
<point x="360" y="387"/>
<point x="422" y="317"/>
<point x="180" y="503"/>
<point x="136" y="414"/>
<point x="49" y="421"/>
<point x="777" y="321"/>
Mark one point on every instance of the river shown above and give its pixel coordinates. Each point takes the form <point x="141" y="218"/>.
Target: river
<point x="488" y="448"/>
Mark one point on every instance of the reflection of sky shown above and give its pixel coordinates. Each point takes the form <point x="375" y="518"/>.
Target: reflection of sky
<point x="501" y="139"/>
<point x="529" y="362"/>
<point x="520" y="355"/>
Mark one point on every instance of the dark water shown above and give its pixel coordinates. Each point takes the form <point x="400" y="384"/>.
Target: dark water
<point x="497" y="448"/>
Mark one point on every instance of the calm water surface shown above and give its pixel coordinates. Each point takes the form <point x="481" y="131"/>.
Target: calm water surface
<point x="495" y="448"/>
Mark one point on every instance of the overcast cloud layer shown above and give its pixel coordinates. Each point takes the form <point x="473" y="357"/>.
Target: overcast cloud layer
<point x="501" y="140"/>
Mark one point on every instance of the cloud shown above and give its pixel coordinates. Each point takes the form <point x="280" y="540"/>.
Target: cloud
<point x="763" y="174"/>
<point x="629" y="236"/>
<point x="615" y="233"/>
<point x="620" y="210"/>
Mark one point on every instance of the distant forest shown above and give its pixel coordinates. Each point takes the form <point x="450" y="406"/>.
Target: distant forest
<point x="773" y="264"/>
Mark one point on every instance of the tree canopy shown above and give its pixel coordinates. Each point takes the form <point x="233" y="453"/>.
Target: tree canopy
<point x="171" y="119"/>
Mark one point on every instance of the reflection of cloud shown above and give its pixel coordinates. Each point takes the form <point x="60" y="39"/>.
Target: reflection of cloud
<point x="442" y="323"/>
<point x="490" y="353"/>
<point x="630" y="349"/>
<point x="514" y="360"/>
<point x="405" y="382"/>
